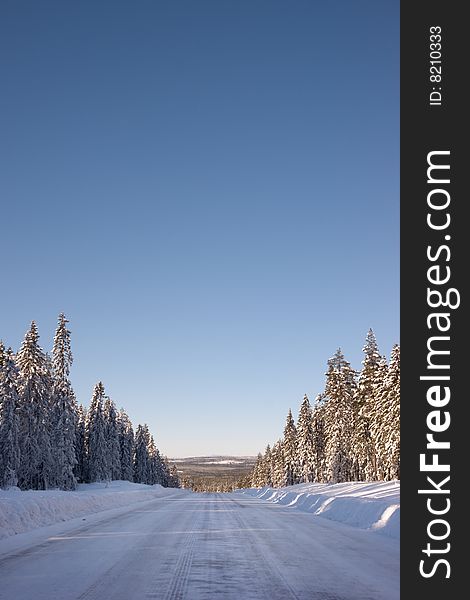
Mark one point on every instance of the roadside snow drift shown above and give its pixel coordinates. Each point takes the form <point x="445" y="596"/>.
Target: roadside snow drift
<point x="22" y="511"/>
<point x="372" y="506"/>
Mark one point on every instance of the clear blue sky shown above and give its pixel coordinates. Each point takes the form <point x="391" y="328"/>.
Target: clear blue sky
<point x="209" y="190"/>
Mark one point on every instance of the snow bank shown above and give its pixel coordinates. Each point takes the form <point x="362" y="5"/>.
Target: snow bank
<point x="372" y="506"/>
<point x="22" y="511"/>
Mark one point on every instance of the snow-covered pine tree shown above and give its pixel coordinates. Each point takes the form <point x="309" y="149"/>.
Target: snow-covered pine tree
<point x="166" y="471"/>
<point x="154" y="467"/>
<point x="174" y="481"/>
<point x="2" y="353"/>
<point x="365" y="406"/>
<point x="266" y="467"/>
<point x="35" y="390"/>
<point x="385" y="425"/>
<point x="63" y="410"/>
<point x="126" y="446"/>
<point x="141" y="456"/>
<point x="9" y="441"/>
<point x="80" y="446"/>
<point x="95" y="437"/>
<point x="339" y="418"/>
<point x="319" y="440"/>
<point x="289" y="446"/>
<point x="112" y="439"/>
<point x="277" y="464"/>
<point x="376" y="416"/>
<point x="256" y="477"/>
<point x="305" y="452"/>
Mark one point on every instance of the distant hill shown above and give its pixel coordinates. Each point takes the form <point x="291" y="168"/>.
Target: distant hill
<point x="214" y="466"/>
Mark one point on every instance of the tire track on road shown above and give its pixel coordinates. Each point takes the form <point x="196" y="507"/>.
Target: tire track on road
<point x="178" y="583"/>
<point x="272" y="564"/>
<point x="275" y="586"/>
<point x="131" y="562"/>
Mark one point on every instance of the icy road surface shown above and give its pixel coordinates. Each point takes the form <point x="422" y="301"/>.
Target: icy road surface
<point x="200" y="547"/>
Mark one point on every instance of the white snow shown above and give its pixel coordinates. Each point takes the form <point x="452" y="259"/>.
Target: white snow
<point x="372" y="506"/>
<point x="22" y="511"/>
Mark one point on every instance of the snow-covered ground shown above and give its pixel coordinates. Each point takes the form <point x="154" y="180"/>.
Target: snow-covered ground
<point x="23" y="511"/>
<point x="372" y="506"/>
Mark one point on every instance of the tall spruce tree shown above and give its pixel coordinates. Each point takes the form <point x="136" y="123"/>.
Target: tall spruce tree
<point x="112" y="439"/>
<point x="126" y="446"/>
<point x="64" y="410"/>
<point x="141" y="454"/>
<point x="365" y="406"/>
<point x="257" y="474"/>
<point x="266" y="467"/>
<point x="385" y="425"/>
<point x="166" y="470"/>
<point x="305" y="451"/>
<point x="35" y="390"/>
<point x="277" y="464"/>
<point x="340" y="418"/>
<point x="80" y="446"/>
<point x="2" y="353"/>
<point x="376" y="416"/>
<point x="9" y="440"/>
<point x="319" y="440"/>
<point x="290" y="450"/>
<point x="95" y="434"/>
<point x="154" y="463"/>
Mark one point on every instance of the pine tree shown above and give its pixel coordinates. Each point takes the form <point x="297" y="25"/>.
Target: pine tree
<point x="339" y="418"/>
<point x="174" y="481"/>
<point x="376" y="415"/>
<point x="112" y="439"/>
<point x="2" y="354"/>
<point x="166" y="471"/>
<point x="154" y="463"/>
<point x="305" y="452"/>
<point x="95" y="435"/>
<point x="266" y="473"/>
<point x="319" y="441"/>
<point x="9" y="442"/>
<point x="141" y="455"/>
<point x="385" y="425"/>
<point x="35" y="390"/>
<point x="126" y="446"/>
<point x="80" y="446"/>
<point x="365" y="406"/>
<point x="257" y="475"/>
<point x="64" y="410"/>
<point x="277" y="464"/>
<point x="289" y="445"/>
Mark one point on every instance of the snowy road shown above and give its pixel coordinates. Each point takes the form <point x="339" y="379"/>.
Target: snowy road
<point x="200" y="546"/>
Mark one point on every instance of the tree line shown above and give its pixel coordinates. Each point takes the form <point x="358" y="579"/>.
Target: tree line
<point x="48" y="440"/>
<point x="352" y="433"/>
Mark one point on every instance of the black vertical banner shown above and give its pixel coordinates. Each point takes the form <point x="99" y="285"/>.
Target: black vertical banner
<point x="434" y="253"/>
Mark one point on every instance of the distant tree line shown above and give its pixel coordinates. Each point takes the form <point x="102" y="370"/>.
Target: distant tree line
<point x="48" y="440"/>
<point x="215" y="483"/>
<point x="352" y="433"/>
